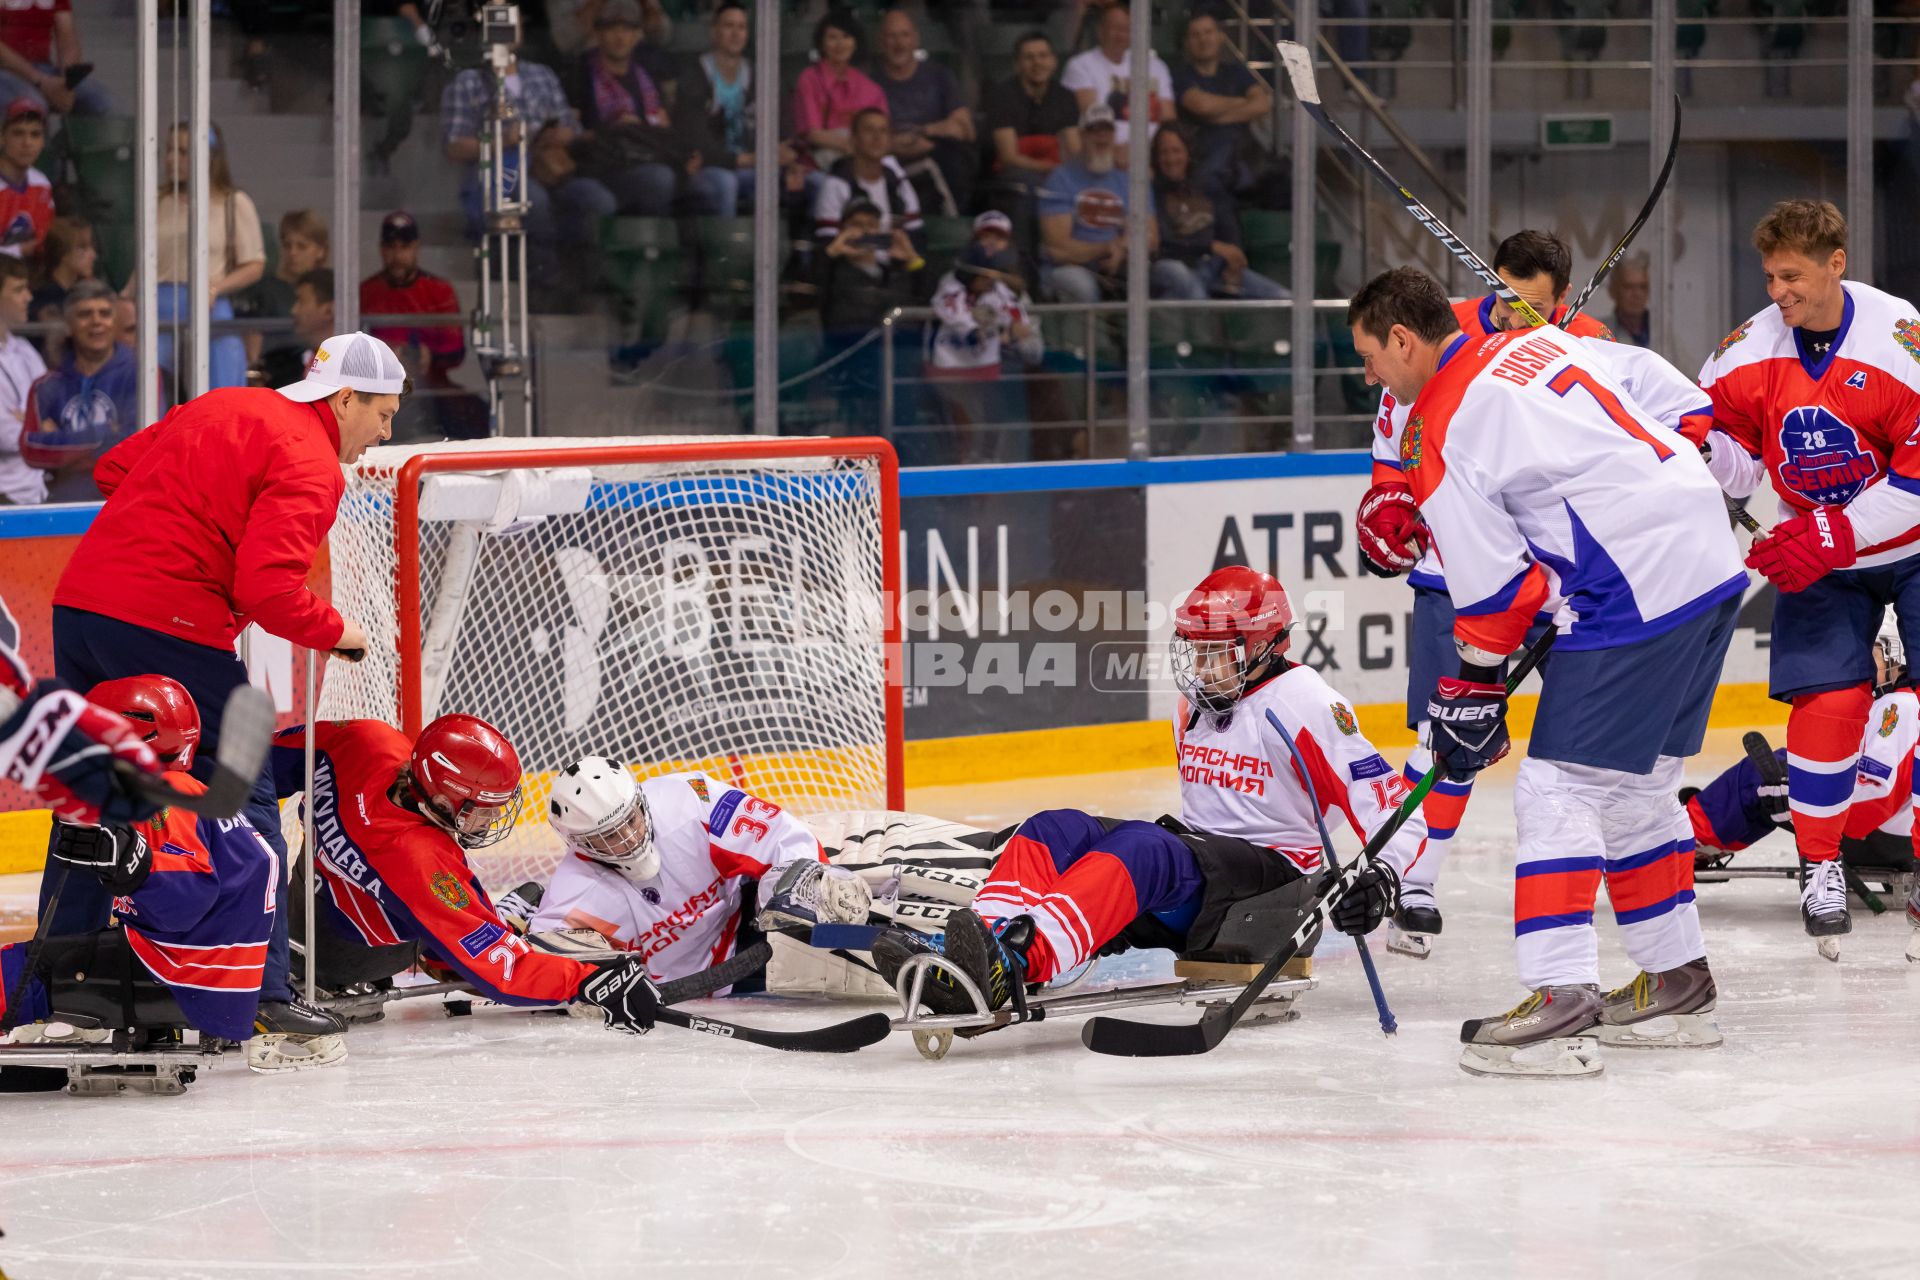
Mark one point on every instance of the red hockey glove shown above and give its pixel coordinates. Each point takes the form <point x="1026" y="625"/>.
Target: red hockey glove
<point x="1393" y="537"/>
<point x="64" y="749"/>
<point x="1801" y="551"/>
<point x="1467" y="726"/>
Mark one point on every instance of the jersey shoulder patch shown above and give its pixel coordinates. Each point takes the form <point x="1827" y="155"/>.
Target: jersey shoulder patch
<point x="446" y="886"/>
<point x="1732" y="340"/>
<point x="1906" y="332"/>
<point x="1343" y="719"/>
<point x="1889" y="720"/>
<point x="699" y="785"/>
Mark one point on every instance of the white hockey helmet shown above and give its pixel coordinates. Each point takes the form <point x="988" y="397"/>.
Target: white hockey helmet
<point x="1891" y="668"/>
<point x="601" y="813"/>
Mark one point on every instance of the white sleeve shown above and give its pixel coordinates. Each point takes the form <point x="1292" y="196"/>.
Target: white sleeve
<point x="827" y="204"/>
<point x="1162" y="80"/>
<point x="1882" y="752"/>
<point x="1667" y="395"/>
<point x="1386" y="448"/>
<point x="1738" y="471"/>
<point x="1081" y="73"/>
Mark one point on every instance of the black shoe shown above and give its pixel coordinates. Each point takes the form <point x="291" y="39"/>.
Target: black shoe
<point x="1421" y="919"/>
<point x="994" y="959"/>
<point x="941" y="994"/>
<point x="296" y="1017"/>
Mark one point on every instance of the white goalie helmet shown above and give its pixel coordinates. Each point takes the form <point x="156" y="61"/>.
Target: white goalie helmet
<point x="601" y="813"/>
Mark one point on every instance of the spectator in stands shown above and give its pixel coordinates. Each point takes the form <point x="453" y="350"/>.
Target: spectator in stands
<point x="305" y="245"/>
<point x="933" y="137"/>
<point x="866" y="270"/>
<point x="564" y="205"/>
<point x="828" y="94"/>
<point x="89" y="402"/>
<point x="20" y="367"/>
<point x="575" y="30"/>
<point x="873" y="175"/>
<point x="1200" y="254"/>
<point x="390" y="73"/>
<point x="428" y="352"/>
<point x="1033" y="120"/>
<point x="1218" y="100"/>
<point x="979" y="313"/>
<point x="1083" y="217"/>
<point x="1631" y="288"/>
<point x="236" y="253"/>
<point x="41" y="60"/>
<point x="628" y="142"/>
<point x="312" y="315"/>
<point x="719" y="89"/>
<point x="67" y="256"/>
<point x="26" y="197"/>
<point x="1103" y="74"/>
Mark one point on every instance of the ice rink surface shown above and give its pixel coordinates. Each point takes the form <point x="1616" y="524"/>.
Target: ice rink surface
<point x="506" y="1145"/>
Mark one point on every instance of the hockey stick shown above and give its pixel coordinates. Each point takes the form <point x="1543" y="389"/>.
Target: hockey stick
<point x="1126" y="1039"/>
<point x="246" y="733"/>
<point x="10" y="1016"/>
<point x="1387" y="1024"/>
<point x="841" y="1037"/>
<point x="1299" y="64"/>
<point x="1612" y="260"/>
<point x="735" y="968"/>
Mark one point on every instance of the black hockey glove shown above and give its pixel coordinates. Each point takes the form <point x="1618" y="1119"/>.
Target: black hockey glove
<point x="1362" y="908"/>
<point x="118" y="855"/>
<point x="624" y="994"/>
<point x="1467" y="726"/>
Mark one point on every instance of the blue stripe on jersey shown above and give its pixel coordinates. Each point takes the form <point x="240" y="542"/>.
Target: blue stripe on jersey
<point x="1427" y="581"/>
<point x="1634" y="861"/>
<point x="1556" y="866"/>
<point x="1607" y="615"/>
<point x="1535" y="925"/>
<point x="1906" y="484"/>
<point x="1388" y="462"/>
<point x="1653" y="909"/>
<point x="1822" y="789"/>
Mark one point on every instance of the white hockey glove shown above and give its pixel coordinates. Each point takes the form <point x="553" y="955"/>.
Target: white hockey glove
<point x="809" y="893"/>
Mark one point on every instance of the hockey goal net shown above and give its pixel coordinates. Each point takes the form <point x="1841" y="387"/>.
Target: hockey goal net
<point x="720" y="603"/>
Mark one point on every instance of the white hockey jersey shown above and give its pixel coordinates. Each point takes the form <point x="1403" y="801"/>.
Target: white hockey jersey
<point x="1667" y="395"/>
<point x="712" y="838"/>
<point x="1541" y="478"/>
<point x="1883" y="777"/>
<point x="1240" y="779"/>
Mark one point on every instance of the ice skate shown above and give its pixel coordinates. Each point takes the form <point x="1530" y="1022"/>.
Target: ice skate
<point x="1416" y="919"/>
<point x="1913" y="918"/>
<point x="1823" y="905"/>
<point x="994" y="956"/>
<point x="295" y="1036"/>
<point x="1662" y="1010"/>
<point x="892" y="950"/>
<point x="1548" y="1034"/>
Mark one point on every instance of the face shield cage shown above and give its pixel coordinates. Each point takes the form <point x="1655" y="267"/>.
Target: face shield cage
<point x="475" y="826"/>
<point x="1210" y="674"/>
<point x="623" y="840"/>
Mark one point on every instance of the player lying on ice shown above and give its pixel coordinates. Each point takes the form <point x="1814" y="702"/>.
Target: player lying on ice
<point x="1749" y="801"/>
<point x="1541" y="477"/>
<point x="667" y="868"/>
<point x="393" y="821"/>
<point x="192" y="912"/>
<point x="1394" y="540"/>
<point x="1068" y="885"/>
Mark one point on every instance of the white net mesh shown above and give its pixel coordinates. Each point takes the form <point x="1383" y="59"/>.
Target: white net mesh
<point x="719" y="614"/>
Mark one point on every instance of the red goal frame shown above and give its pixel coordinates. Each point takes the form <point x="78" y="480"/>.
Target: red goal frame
<point x="719" y="448"/>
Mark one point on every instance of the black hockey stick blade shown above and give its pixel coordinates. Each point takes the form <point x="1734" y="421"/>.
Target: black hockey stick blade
<point x="246" y="734"/>
<point x="1120" y="1037"/>
<point x="1306" y="90"/>
<point x="735" y="968"/>
<point x="1767" y="764"/>
<point x="1612" y="260"/>
<point x="841" y="1037"/>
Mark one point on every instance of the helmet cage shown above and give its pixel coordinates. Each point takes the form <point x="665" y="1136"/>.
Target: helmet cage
<point x="1212" y="673"/>
<point x="484" y="819"/>
<point x="1890" y="664"/>
<point x="623" y="840"/>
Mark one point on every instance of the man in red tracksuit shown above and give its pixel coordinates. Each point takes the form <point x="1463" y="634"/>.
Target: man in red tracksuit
<point x="431" y="351"/>
<point x="212" y="520"/>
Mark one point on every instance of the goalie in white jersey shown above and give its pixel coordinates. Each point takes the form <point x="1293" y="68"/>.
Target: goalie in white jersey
<point x="661" y="867"/>
<point x="1541" y="479"/>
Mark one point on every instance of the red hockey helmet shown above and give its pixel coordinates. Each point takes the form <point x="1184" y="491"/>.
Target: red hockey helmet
<point x="160" y="709"/>
<point x="1224" y="631"/>
<point x="466" y="776"/>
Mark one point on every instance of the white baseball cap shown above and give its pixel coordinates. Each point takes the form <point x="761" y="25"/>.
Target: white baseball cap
<point x="357" y="360"/>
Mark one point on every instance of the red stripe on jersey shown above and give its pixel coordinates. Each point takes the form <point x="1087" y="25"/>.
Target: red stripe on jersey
<point x="1502" y="632"/>
<point x="729" y="863"/>
<point x="237" y="967"/>
<point x="1327" y="786"/>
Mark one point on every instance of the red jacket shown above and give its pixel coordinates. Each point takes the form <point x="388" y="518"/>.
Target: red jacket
<point x="212" y="520"/>
<point x="425" y="294"/>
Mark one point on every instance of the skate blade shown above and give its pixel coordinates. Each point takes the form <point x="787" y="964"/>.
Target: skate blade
<point x="1417" y="946"/>
<point x="1829" y="947"/>
<point x="1913" y="948"/>
<point x="277" y="1051"/>
<point x="1563" y="1058"/>
<point x="1669" y="1031"/>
